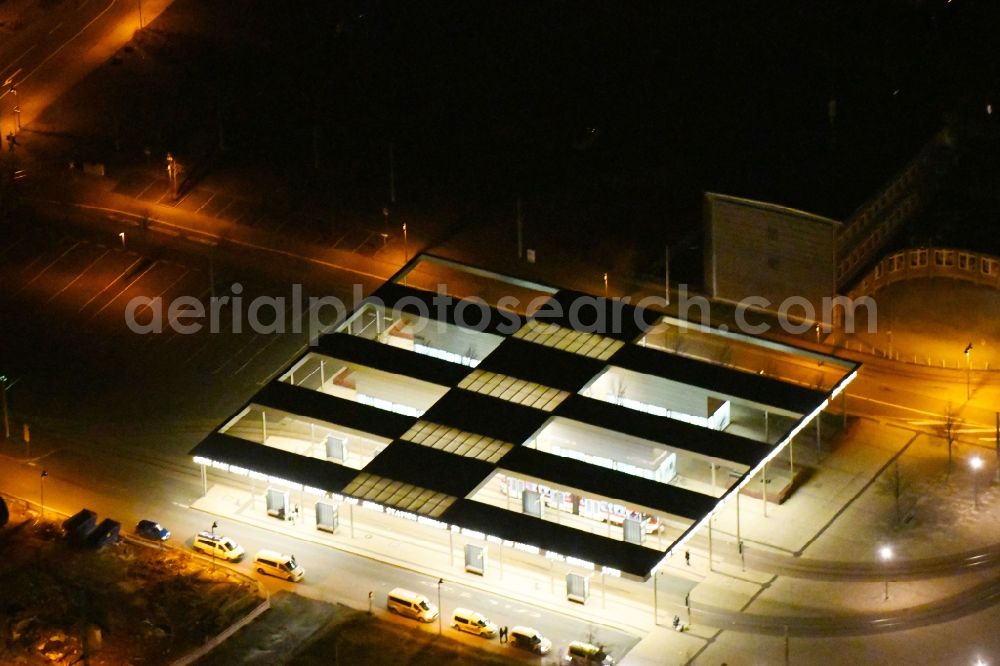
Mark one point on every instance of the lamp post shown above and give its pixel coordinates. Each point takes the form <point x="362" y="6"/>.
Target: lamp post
<point x="976" y="464"/>
<point x="121" y="235"/>
<point x="214" y="525"/>
<point x="968" y="371"/>
<point x="440" y="581"/>
<point x="17" y="108"/>
<point x="41" y="492"/>
<point x="140" y="14"/>
<point x="885" y="554"/>
<point x="406" y="246"/>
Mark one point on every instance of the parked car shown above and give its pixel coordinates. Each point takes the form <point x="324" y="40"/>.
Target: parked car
<point x="218" y="546"/>
<point x="282" y="565"/>
<point x="149" y="529"/>
<point x="411" y="604"/>
<point x="529" y="639"/>
<point x="579" y="653"/>
<point x="472" y="622"/>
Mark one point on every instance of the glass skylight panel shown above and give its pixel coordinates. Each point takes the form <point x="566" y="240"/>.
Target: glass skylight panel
<point x="398" y="495"/>
<point x="513" y="389"/>
<point x="459" y="442"/>
<point x="577" y="342"/>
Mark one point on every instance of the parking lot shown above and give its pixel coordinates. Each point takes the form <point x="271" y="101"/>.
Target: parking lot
<point x="211" y="200"/>
<point x="66" y="342"/>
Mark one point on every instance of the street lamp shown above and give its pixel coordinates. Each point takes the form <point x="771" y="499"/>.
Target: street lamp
<point x="121" y="235"/>
<point x="214" y="525"/>
<point x="41" y="492"/>
<point x="406" y="246"/>
<point x="968" y="371"/>
<point x="885" y="554"/>
<point x="976" y="464"/>
<point x="17" y="107"/>
<point x="440" y="581"/>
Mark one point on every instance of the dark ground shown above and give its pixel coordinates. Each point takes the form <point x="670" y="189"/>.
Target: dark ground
<point x="607" y="119"/>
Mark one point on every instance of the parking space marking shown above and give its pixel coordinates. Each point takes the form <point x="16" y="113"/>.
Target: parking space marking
<point x="108" y="285"/>
<point x="168" y="288"/>
<point x="79" y="275"/>
<point x="210" y="197"/>
<point x="236" y="354"/>
<point x="168" y="328"/>
<point x="47" y="267"/>
<point x="123" y="290"/>
<point x="151" y="183"/>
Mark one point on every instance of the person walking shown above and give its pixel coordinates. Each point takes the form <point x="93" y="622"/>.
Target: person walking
<point x="687" y="557"/>
<point x="503" y="634"/>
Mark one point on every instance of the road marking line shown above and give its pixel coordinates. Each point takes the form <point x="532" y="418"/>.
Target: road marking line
<point x="64" y="44"/>
<point x="80" y="275"/>
<point x="58" y="25"/>
<point x="120" y="276"/>
<point x="51" y="264"/>
<point x="160" y="295"/>
<point x="211" y="196"/>
<point x="123" y="290"/>
<point x="253" y="246"/>
<point x="151" y="183"/>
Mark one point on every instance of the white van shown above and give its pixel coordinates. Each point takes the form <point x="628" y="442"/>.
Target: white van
<point x="527" y="638"/>
<point x="410" y="604"/>
<point x="273" y="563"/>
<point x="472" y="622"/>
<point x="216" y="545"/>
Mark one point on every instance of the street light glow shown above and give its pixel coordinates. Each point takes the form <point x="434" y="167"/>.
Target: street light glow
<point x="885" y="552"/>
<point x="976" y="463"/>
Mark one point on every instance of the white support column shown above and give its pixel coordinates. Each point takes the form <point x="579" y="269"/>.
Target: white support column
<point x="710" y="563"/>
<point x="263" y="427"/>
<point x="763" y="485"/>
<point x="739" y="539"/>
<point x="819" y="437"/>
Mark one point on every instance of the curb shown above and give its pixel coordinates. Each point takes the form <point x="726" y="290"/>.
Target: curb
<point x="430" y="573"/>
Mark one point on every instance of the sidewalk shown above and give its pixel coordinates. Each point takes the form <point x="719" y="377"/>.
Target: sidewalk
<point x="423" y="549"/>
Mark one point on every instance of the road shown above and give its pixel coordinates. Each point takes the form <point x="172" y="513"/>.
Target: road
<point x="107" y="481"/>
<point x="966" y="602"/>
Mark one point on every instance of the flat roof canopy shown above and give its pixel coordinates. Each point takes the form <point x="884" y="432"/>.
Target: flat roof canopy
<point x="756" y="389"/>
<point x="633" y="491"/>
<point x="543" y="365"/>
<point x="626" y="557"/>
<point x="678" y="435"/>
<point x="248" y="455"/>
<point x="532" y="374"/>
<point x="384" y="357"/>
<point x="332" y="409"/>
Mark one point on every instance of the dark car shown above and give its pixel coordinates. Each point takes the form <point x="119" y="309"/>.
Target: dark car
<point x="150" y="530"/>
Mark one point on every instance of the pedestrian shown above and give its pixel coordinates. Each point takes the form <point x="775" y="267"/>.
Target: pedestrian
<point x="677" y="622"/>
<point x="503" y="634"/>
<point x="687" y="557"/>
